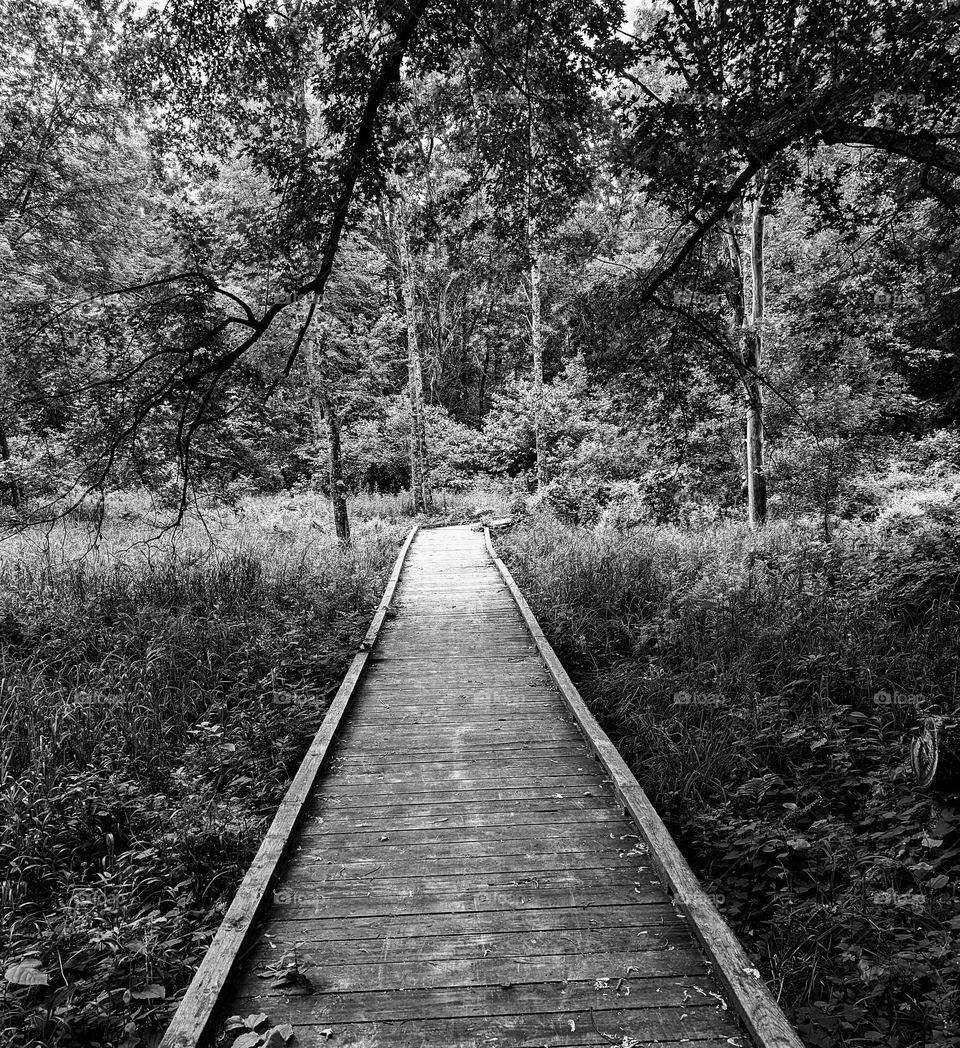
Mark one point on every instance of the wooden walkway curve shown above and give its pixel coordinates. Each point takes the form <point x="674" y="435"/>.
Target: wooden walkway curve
<point x="464" y="860"/>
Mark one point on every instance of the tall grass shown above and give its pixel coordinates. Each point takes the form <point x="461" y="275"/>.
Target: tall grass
<point x="763" y="688"/>
<point x="156" y="694"/>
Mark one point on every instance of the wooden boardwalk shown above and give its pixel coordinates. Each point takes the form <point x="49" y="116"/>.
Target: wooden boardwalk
<point x="463" y="872"/>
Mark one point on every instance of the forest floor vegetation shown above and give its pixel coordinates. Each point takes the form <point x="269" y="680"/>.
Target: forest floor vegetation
<point x="156" y="696"/>
<point x="764" y="688"/>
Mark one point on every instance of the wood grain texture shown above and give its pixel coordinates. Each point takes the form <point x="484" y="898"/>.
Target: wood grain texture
<point x="746" y="992"/>
<point x="463" y="871"/>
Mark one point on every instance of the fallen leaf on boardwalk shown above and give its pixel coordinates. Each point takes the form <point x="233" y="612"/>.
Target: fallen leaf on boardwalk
<point x="277" y="1036"/>
<point x="254" y="1020"/>
<point x="294" y="978"/>
<point x="602" y="984"/>
<point x="573" y="1025"/>
<point x="247" y="1040"/>
<point x="328" y="1033"/>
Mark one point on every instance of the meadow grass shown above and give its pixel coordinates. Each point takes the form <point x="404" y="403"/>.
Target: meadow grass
<point x="156" y="695"/>
<point x="764" y="687"/>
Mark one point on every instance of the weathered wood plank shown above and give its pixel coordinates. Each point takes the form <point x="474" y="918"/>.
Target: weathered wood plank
<point x="371" y="882"/>
<point x="302" y="903"/>
<point x="645" y="997"/>
<point x="521" y="863"/>
<point x="395" y="786"/>
<point x="505" y="1032"/>
<point x="284" y="943"/>
<point x="644" y="920"/>
<point x="548" y="816"/>
<point x="420" y="974"/>
<point x="599" y="844"/>
<point x="433" y="806"/>
<point x="502" y="829"/>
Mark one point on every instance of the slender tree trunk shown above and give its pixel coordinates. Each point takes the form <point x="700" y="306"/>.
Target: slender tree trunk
<point x="753" y="348"/>
<point x="536" y="345"/>
<point x="419" y="464"/>
<point x="481" y="389"/>
<point x="338" y="488"/>
<point x="536" y="329"/>
<point x="327" y="428"/>
<point x="13" y="489"/>
<point x="748" y="327"/>
<point x="323" y="405"/>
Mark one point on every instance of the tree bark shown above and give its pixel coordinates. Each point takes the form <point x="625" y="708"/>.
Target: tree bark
<point x="536" y="346"/>
<point x="752" y="357"/>
<point x="325" y="410"/>
<point x="319" y="379"/>
<point x="9" y="482"/>
<point x="536" y="327"/>
<point x="419" y="463"/>
<point x="338" y="488"/>
<point x="748" y="326"/>
<point x="481" y="388"/>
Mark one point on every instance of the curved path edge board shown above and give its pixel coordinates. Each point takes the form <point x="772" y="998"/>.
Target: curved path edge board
<point x="191" y="1022"/>
<point x="746" y="991"/>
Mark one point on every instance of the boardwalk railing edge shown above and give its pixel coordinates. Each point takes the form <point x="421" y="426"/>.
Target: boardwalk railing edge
<point x="191" y="1024"/>
<point x="746" y="992"/>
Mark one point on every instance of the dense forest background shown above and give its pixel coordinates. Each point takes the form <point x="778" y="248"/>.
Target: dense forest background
<point x="552" y="231"/>
<point x="676" y="289"/>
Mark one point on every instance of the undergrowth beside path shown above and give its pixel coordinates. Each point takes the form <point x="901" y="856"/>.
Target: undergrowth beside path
<point x="155" y="699"/>
<point x="764" y="689"/>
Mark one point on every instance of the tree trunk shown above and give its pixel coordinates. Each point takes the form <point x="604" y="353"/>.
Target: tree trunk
<point x="753" y="347"/>
<point x="536" y="330"/>
<point x="748" y="329"/>
<point x="325" y="409"/>
<point x="9" y="482"/>
<point x="319" y="379"/>
<point x="338" y="489"/>
<point x="483" y="382"/>
<point x="419" y="465"/>
<point x="536" y="345"/>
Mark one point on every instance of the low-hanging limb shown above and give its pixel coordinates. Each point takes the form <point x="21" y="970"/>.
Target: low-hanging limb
<point x="201" y="382"/>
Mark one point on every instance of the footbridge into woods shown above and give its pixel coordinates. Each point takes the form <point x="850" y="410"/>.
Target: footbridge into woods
<point x="463" y="858"/>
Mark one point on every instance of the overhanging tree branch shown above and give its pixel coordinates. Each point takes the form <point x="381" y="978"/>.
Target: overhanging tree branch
<point x="926" y="149"/>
